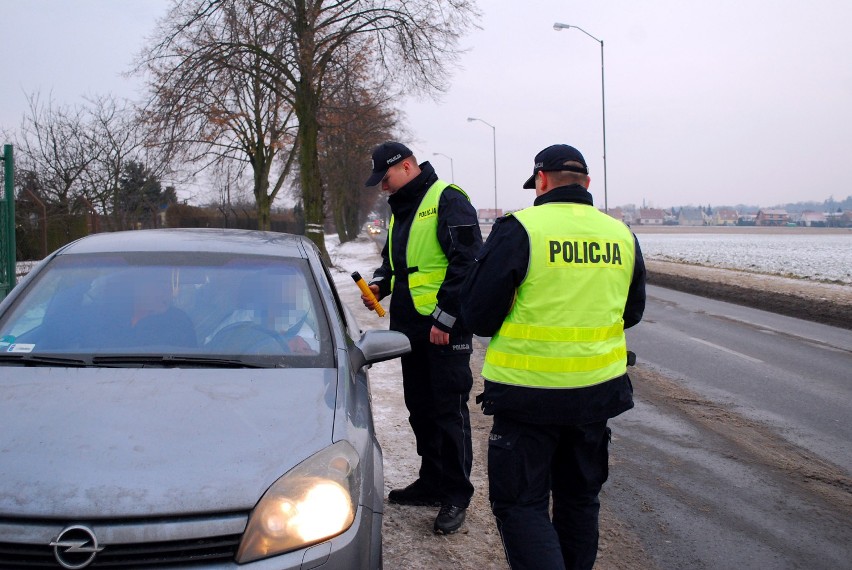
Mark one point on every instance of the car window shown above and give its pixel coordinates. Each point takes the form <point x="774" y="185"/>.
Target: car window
<point x="262" y="309"/>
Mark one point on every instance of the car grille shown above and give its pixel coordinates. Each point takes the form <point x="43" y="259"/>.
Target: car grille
<point x="199" y="541"/>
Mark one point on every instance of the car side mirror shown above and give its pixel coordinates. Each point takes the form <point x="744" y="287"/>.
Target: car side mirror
<point x="378" y="345"/>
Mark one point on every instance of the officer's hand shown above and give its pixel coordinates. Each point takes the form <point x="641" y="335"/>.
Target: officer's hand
<point x="370" y="303"/>
<point x="437" y="336"/>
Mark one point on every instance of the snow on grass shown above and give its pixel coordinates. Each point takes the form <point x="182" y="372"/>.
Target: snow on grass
<point x="824" y="258"/>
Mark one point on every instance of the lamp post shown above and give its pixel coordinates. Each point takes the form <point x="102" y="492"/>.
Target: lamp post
<point x="494" y="133"/>
<point x="452" y="173"/>
<point x="557" y="26"/>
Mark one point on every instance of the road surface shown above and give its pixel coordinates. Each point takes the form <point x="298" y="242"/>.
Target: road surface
<point x="737" y="453"/>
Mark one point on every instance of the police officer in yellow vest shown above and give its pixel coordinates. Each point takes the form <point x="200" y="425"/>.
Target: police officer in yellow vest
<point x="432" y="240"/>
<point x="554" y="287"/>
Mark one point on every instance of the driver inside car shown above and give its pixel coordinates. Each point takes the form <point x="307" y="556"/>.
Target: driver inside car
<point x="271" y="317"/>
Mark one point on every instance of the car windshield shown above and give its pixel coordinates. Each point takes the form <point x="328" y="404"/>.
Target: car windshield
<point x="171" y="309"/>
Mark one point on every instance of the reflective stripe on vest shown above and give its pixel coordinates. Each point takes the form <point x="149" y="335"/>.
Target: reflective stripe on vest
<point x="580" y="269"/>
<point x="423" y="251"/>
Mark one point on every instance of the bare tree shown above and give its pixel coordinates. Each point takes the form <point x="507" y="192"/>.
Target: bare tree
<point x="117" y="141"/>
<point x="228" y="182"/>
<point x="213" y="102"/>
<point x="412" y="43"/>
<point x="55" y="149"/>
<point x="353" y="119"/>
<point x="73" y="159"/>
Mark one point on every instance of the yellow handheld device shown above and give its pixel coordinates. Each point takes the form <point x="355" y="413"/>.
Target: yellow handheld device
<point x="365" y="289"/>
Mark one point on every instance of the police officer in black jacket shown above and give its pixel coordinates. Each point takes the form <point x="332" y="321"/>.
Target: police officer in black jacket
<point x="432" y="240"/>
<point x="554" y="286"/>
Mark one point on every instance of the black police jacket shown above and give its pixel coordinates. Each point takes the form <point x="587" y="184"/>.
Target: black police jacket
<point x="460" y="239"/>
<point x="487" y="296"/>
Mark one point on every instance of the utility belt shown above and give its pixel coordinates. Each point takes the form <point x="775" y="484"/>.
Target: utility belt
<point x="402" y="277"/>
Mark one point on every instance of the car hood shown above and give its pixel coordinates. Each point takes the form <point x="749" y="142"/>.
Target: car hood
<point x="131" y="442"/>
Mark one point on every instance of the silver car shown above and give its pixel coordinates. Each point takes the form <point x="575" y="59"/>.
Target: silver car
<point x="187" y="398"/>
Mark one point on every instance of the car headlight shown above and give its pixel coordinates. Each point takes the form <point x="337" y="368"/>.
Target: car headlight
<point x="314" y="501"/>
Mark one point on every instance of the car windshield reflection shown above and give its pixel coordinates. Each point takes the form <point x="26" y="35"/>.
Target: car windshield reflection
<point x="220" y="308"/>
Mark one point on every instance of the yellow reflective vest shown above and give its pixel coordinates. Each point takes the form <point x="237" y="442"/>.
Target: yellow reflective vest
<point x="565" y="328"/>
<point x="423" y="251"/>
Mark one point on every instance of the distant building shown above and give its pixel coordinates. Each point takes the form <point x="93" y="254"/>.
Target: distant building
<point x="772" y="217"/>
<point x="689" y="216"/>
<point x="746" y="220"/>
<point x="839" y="219"/>
<point x="616" y="213"/>
<point x="651" y="217"/>
<point x="812" y="219"/>
<point x="725" y="217"/>
<point x="488" y="215"/>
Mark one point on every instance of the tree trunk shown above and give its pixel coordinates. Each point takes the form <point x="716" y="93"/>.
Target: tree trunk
<point x="263" y="211"/>
<point x="351" y="217"/>
<point x="306" y="107"/>
<point x="261" y="193"/>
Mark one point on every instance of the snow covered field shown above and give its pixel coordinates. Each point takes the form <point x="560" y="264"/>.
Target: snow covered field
<point x="821" y="257"/>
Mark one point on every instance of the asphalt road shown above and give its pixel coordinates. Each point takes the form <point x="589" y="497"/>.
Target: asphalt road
<point x="792" y="374"/>
<point x="737" y="454"/>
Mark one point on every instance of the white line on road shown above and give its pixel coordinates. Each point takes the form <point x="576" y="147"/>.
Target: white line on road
<point x="728" y="350"/>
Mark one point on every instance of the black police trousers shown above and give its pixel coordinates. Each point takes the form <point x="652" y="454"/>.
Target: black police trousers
<point x="526" y="464"/>
<point x="437" y="382"/>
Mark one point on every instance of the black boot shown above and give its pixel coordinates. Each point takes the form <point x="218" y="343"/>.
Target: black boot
<point x="449" y="519"/>
<point x="417" y="494"/>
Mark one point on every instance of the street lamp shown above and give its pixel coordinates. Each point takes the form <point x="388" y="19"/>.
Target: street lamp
<point x="452" y="174"/>
<point x="557" y="26"/>
<point x="494" y="133"/>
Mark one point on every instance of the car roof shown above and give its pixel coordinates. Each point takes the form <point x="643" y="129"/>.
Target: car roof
<point x="216" y="240"/>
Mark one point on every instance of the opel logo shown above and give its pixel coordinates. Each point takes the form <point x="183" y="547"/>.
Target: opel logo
<point x="75" y="547"/>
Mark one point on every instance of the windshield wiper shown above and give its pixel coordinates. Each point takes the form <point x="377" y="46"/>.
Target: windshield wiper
<point x="168" y="360"/>
<point x="41" y="360"/>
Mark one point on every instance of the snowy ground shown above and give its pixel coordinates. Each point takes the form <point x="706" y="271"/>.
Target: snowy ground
<point x="821" y="256"/>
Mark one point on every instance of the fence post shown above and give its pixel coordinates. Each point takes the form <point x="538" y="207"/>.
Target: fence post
<point x="7" y="223"/>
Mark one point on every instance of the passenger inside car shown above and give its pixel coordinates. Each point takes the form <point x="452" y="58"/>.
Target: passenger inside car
<point x="154" y="320"/>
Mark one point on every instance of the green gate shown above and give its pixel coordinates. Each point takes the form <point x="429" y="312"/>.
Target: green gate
<point x="7" y="223"/>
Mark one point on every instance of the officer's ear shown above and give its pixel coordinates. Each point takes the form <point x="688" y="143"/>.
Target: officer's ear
<point x="541" y="183"/>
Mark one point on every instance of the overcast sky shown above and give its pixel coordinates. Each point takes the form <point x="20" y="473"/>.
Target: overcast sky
<point x="723" y="102"/>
